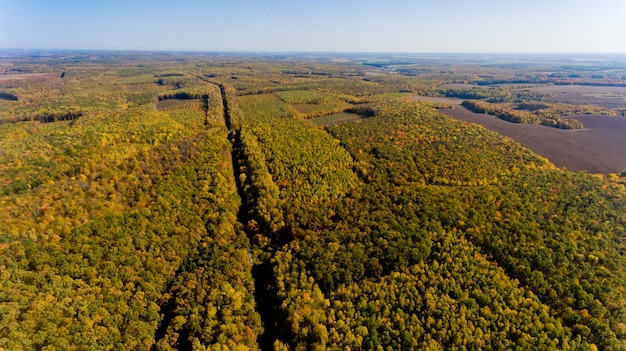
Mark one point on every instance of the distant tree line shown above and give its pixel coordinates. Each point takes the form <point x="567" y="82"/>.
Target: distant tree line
<point x="45" y="118"/>
<point x="166" y="75"/>
<point x="8" y="96"/>
<point x="181" y="95"/>
<point x="366" y="110"/>
<point x="520" y="116"/>
<point x="587" y="83"/>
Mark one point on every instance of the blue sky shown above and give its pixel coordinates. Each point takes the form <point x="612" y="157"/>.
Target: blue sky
<point x="486" y="26"/>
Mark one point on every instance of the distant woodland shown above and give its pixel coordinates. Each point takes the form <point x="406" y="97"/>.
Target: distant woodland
<point x="172" y="202"/>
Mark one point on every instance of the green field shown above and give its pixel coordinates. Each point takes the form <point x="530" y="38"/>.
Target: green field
<point x="339" y="118"/>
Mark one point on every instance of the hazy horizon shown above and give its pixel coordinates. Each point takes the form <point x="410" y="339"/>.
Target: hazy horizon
<point x="399" y="26"/>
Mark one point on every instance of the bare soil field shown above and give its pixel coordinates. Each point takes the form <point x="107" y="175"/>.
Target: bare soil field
<point x="30" y="76"/>
<point x="605" y="96"/>
<point x="587" y="89"/>
<point x="171" y="104"/>
<point x="457" y="86"/>
<point x="599" y="148"/>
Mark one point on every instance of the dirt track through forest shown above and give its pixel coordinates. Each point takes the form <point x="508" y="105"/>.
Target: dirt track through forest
<point x="262" y="273"/>
<point x="599" y="148"/>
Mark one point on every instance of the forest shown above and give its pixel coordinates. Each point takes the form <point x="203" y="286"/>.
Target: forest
<point x="240" y="202"/>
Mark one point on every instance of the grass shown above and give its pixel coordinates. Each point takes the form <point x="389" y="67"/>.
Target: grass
<point x="336" y="119"/>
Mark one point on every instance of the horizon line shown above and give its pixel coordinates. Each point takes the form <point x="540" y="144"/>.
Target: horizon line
<point x="310" y="52"/>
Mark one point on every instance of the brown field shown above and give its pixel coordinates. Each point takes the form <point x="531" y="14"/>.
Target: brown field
<point x="605" y="96"/>
<point x="599" y="148"/>
<point x="29" y="76"/>
<point x="458" y="86"/>
<point x="172" y="104"/>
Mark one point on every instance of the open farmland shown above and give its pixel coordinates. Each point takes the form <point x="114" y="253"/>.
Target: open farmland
<point x="173" y="104"/>
<point x="599" y="148"/>
<point x="605" y="96"/>
<point x="28" y="76"/>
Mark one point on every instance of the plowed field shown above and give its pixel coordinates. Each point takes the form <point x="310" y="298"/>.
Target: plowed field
<point x="599" y="148"/>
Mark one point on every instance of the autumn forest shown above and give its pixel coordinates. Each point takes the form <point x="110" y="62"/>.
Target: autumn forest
<point x="191" y="201"/>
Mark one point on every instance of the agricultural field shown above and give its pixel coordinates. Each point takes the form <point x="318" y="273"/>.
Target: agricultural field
<point x="180" y="104"/>
<point x="605" y="96"/>
<point x="576" y="150"/>
<point x="598" y="148"/>
<point x="201" y="201"/>
<point x="5" y="78"/>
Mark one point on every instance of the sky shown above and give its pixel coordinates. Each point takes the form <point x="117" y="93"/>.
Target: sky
<point x="440" y="26"/>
